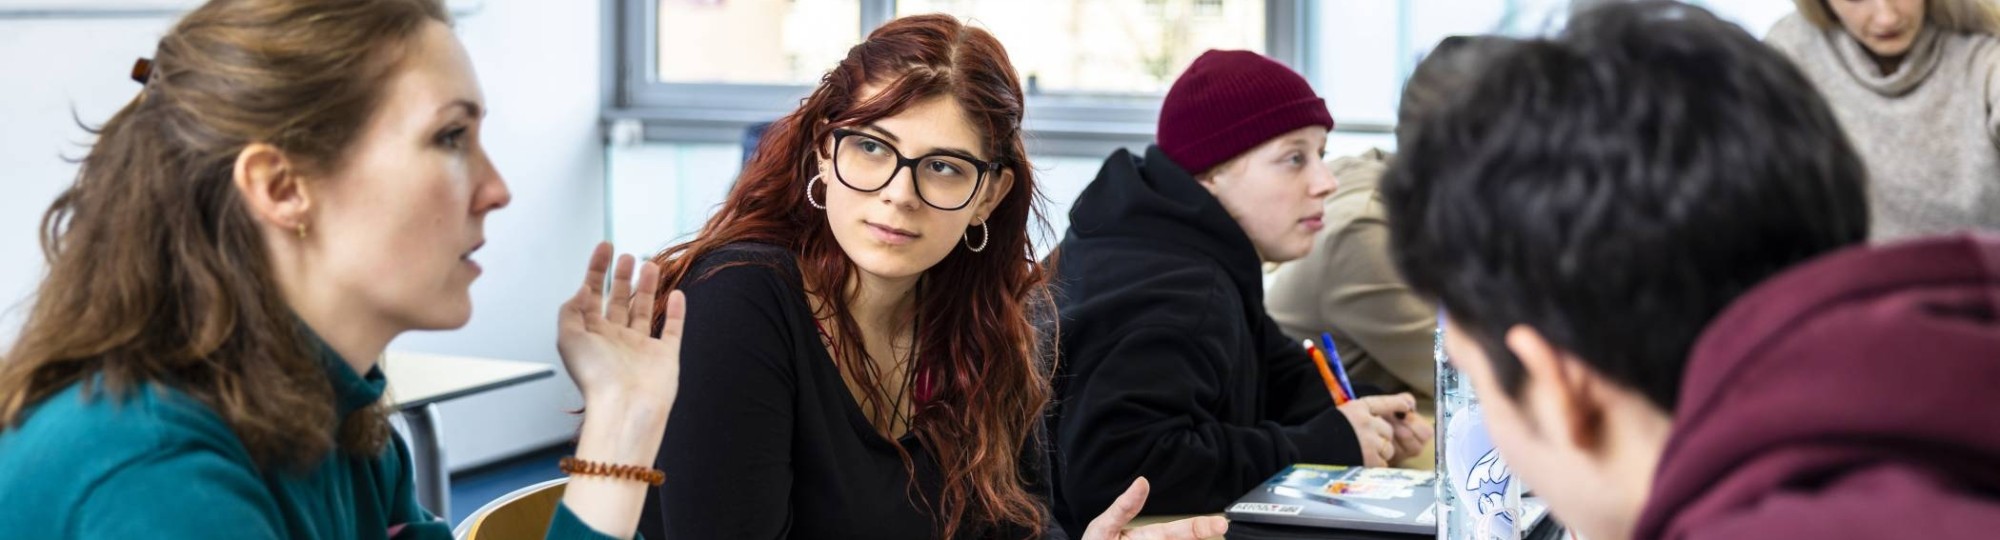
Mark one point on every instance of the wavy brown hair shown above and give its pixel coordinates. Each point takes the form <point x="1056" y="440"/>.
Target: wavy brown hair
<point x="973" y="336"/>
<point x="157" y="271"/>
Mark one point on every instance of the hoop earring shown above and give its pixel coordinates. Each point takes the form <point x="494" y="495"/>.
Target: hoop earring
<point x="985" y="237"/>
<point x="809" y="192"/>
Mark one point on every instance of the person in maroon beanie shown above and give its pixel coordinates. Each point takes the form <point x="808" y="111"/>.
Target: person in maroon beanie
<point x="1648" y="234"/>
<point x="1169" y="367"/>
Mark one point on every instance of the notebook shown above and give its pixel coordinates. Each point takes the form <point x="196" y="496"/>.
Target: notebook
<point x="1376" y="499"/>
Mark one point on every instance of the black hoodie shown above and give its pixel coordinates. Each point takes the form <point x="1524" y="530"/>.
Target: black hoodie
<point x="1170" y="368"/>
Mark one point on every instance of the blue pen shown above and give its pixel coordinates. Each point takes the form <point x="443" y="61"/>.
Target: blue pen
<point x="1333" y="356"/>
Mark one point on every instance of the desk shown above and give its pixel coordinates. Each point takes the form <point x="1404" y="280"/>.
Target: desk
<point x="1548" y="529"/>
<point x="417" y="382"/>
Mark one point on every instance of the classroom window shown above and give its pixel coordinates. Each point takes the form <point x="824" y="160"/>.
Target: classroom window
<point x="1367" y="48"/>
<point x="1107" y="47"/>
<point x="784" y="42"/>
<point x="1094" y="70"/>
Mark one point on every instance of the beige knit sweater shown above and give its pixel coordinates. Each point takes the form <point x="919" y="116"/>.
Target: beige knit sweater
<point x="1930" y="132"/>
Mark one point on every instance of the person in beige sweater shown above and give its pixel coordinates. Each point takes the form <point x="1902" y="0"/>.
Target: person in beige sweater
<point x="1347" y="285"/>
<point x="1916" y="85"/>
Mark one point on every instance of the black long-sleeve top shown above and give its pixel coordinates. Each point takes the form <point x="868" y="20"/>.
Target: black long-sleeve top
<point x="766" y="441"/>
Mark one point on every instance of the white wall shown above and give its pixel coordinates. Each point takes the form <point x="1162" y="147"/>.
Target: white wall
<point x="38" y="93"/>
<point x="538" y="61"/>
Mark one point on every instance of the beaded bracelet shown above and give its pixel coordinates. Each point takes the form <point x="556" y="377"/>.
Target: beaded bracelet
<point x="570" y="465"/>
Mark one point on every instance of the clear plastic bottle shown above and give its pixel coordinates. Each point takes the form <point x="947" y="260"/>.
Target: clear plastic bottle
<point x="1478" y="497"/>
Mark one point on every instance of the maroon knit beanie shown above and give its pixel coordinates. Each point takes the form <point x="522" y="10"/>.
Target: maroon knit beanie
<point x="1228" y="102"/>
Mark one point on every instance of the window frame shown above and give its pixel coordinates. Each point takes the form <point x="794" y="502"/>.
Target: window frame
<point x="639" y="106"/>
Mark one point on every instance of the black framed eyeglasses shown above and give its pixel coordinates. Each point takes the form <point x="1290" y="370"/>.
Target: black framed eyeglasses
<point x="945" y="180"/>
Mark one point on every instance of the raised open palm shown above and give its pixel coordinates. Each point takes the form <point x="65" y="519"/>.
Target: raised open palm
<point x="609" y="350"/>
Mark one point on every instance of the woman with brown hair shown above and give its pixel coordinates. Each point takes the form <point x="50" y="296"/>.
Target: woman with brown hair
<point x="861" y="335"/>
<point x="297" y="183"/>
<point x="1916" y="84"/>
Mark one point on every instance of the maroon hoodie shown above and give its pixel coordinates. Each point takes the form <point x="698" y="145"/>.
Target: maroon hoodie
<point x="1855" y="396"/>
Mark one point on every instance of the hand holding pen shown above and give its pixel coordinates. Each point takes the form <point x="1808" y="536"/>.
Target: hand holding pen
<point x="1387" y="430"/>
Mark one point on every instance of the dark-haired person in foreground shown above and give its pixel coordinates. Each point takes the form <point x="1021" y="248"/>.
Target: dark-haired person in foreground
<point x="1648" y="234"/>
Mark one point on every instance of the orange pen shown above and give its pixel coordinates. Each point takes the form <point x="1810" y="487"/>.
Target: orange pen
<point x="1326" y="373"/>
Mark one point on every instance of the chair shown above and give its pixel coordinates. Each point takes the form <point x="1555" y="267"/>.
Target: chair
<point x="524" y="513"/>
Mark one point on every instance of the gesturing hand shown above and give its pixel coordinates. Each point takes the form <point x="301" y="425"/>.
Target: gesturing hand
<point x="1111" y="524"/>
<point x="609" y="351"/>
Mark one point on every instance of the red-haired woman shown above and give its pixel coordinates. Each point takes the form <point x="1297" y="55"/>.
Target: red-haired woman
<point x="860" y="352"/>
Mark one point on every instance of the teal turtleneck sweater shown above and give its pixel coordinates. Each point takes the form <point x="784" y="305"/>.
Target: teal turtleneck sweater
<point x="155" y="463"/>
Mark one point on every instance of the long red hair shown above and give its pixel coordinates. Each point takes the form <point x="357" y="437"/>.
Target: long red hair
<point x="986" y="390"/>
